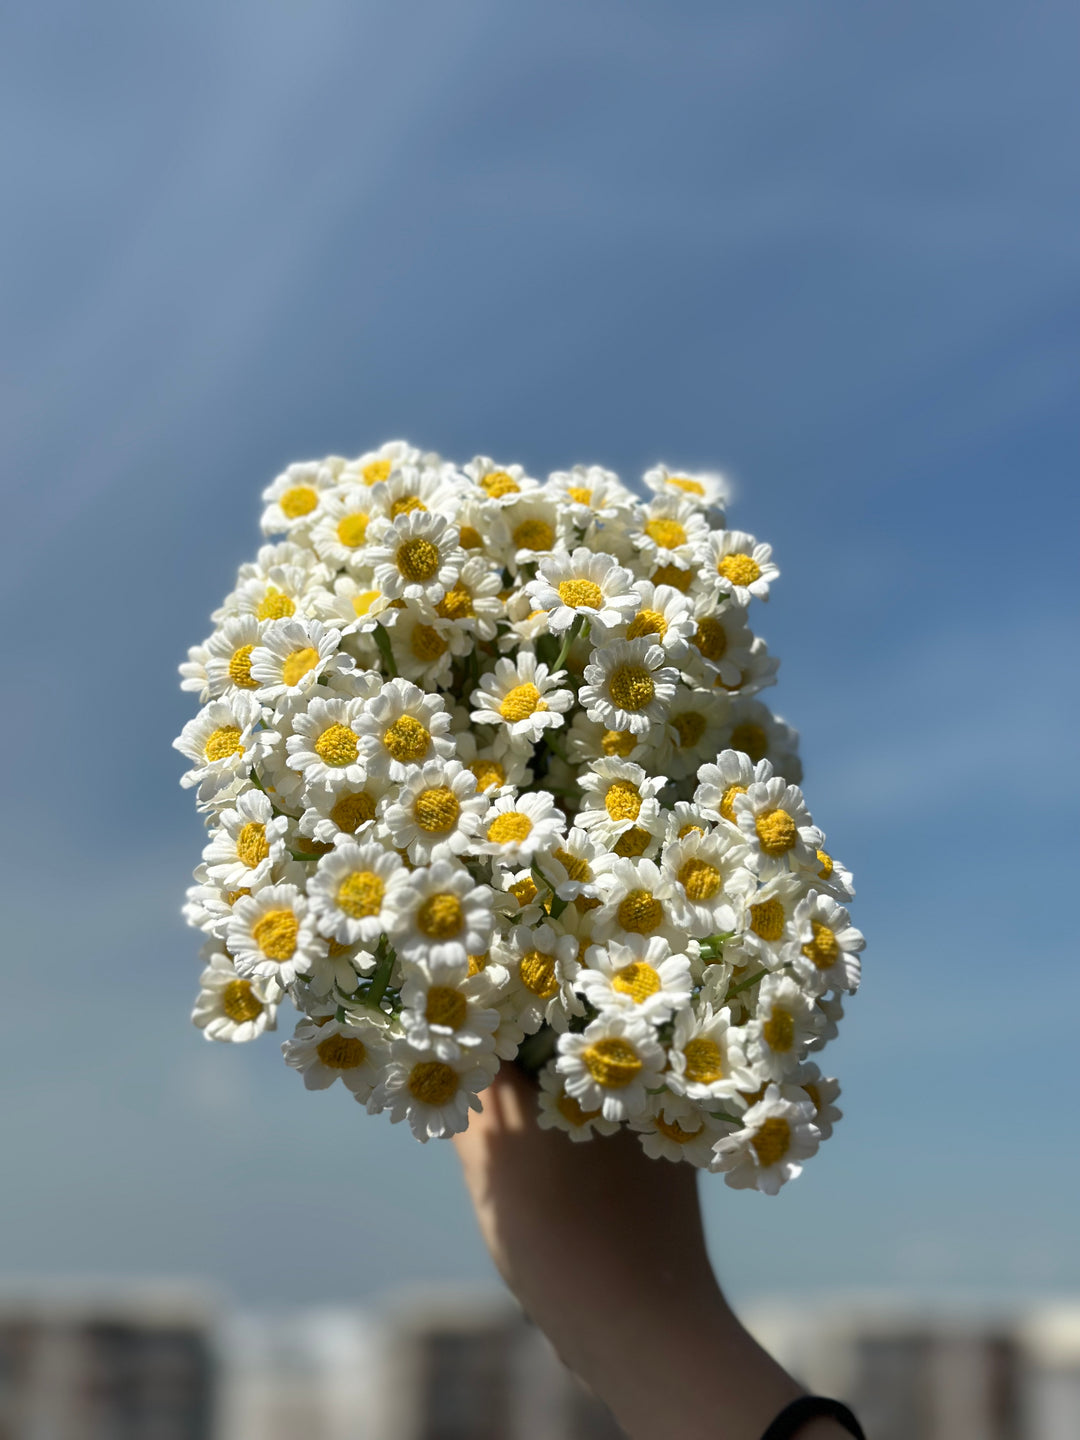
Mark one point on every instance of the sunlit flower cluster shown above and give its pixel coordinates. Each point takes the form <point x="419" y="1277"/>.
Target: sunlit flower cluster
<point x="486" y="776"/>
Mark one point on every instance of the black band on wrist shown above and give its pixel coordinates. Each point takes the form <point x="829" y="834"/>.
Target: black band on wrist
<point x="811" y="1407"/>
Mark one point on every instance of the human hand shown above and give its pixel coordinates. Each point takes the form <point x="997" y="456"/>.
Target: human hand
<point x="604" y="1249"/>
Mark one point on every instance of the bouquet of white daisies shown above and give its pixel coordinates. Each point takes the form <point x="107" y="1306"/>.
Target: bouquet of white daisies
<point x="485" y="777"/>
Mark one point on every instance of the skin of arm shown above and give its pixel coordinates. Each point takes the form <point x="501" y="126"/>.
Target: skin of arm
<point x="605" y="1250"/>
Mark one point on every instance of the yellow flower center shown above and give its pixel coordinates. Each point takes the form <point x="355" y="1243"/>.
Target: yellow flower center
<point x="777" y="832"/>
<point x="711" y="638"/>
<point x="298" y="663"/>
<point x="578" y="593"/>
<point x="674" y="1131"/>
<point x="446" y="1006"/>
<point x="640" y="912"/>
<point x="433" y="1083"/>
<point x="418" y="559"/>
<point x="524" y="891"/>
<point x="352" y="811"/>
<point x="623" y="800"/>
<point x="538" y="974"/>
<point x="768" y="919"/>
<point x="727" y="801"/>
<point x="341" y="1052"/>
<point x="456" y="604"/>
<point x="580" y="494"/>
<point x="440" y="917"/>
<point x="632" y="842"/>
<point x="231" y="896"/>
<point x="337" y="745"/>
<point x="672" y="575"/>
<point x="685" y="830"/>
<point x="300" y="500"/>
<point x="275" y="934"/>
<point x="363" y="601"/>
<point x="406" y="740"/>
<point x="571" y="1110"/>
<point x="778" y="1031"/>
<point x="275" y="605"/>
<point x="668" y="534"/>
<point x="352" y="529"/>
<point x="509" y="827"/>
<point x="436" y="810"/>
<point x="471" y="539"/>
<point x="426" y="643"/>
<point x="575" y="869"/>
<point x="704" y="1061"/>
<point x="751" y="740"/>
<point x="375" y="471"/>
<point x="521" y="702"/>
<point x="646" y="622"/>
<point x="824" y="948"/>
<point x="498" y="483"/>
<point x="631" y="687"/>
<point x="477" y="963"/>
<point x="637" y="980"/>
<point x="613" y="1063"/>
<point x="406" y="505"/>
<point x="686" y="485"/>
<point x="224" y="741"/>
<point x="361" y="894"/>
<point x="772" y="1141"/>
<point x="618" y="742"/>
<point x="534" y="535"/>
<point x="689" y="727"/>
<point x="239" y="1002"/>
<point x="699" y="879"/>
<point x="240" y="668"/>
<point x="252" y="845"/>
<point x="489" y="774"/>
<point x="826" y="865"/>
<point x="739" y="569"/>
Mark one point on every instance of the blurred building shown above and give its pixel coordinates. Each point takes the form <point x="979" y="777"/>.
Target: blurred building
<point x="106" y="1367"/>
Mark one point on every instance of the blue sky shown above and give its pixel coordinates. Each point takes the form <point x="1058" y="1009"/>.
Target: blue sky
<point x="830" y="249"/>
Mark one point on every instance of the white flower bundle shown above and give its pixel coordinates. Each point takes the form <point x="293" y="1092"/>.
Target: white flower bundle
<point x="486" y="777"/>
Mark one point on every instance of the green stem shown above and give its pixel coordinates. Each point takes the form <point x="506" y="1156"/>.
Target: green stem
<point x="385" y="957"/>
<point x="386" y="650"/>
<point x="745" y="984"/>
<point x="568" y="640"/>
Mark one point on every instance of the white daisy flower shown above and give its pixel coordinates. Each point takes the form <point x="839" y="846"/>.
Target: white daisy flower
<point x="827" y="945"/>
<point x="687" y="581"/>
<point x="662" y="616"/>
<point x="641" y="977"/>
<point x="707" y="1059"/>
<point x="354" y="1051"/>
<point x="611" y="1065"/>
<point x="339" y="536"/>
<point x="588" y="740"/>
<point x="619" y="795"/>
<point x="671" y="530"/>
<point x="250" y="842"/>
<point x="628" y="685"/>
<point x="829" y="1010"/>
<point x="700" y="489"/>
<point x="500" y="484"/>
<point x="542" y="963"/>
<point x="352" y="606"/>
<point x="375" y="466"/>
<point x="692" y="731"/>
<point x="516" y="828"/>
<point x="224" y="662"/>
<point x="674" y="1128"/>
<point x="683" y="819"/>
<point x="437" y="813"/>
<point x="535" y="527"/>
<point x="402" y="727"/>
<point x="473" y="604"/>
<point x="737" y="565"/>
<point x="711" y="881"/>
<point x="778" y="828"/>
<point x="292" y="656"/>
<point x="522" y="698"/>
<point x="776" y="1137"/>
<point x="591" y="496"/>
<point x="230" y="1007"/>
<point x="352" y="891"/>
<point x="271" y="935"/>
<point x="325" y="745"/>
<point x="411" y="488"/>
<point x="556" y="1110"/>
<point x="583" y="585"/>
<point x="718" y="784"/>
<point x="424" y="646"/>
<point x="834" y="877"/>
<point x="447" y="1014"/>
<point x="823" y="1091"/>
<point x="752" y="728"/>
<point x="293" y="500"/>
<point x="483" y="531"/>
<point x="637" y="900"/>
<point x="769" y="926"/>
<point x="351" y="811"/>
<point x="720" y="642"/>
<point x="496" y="768"/>
<point x="276" y="595"/>
<point x="222" y="743"/>
<point x="415" y="557"/>
<point x="441" y="915"/>
<point x="785" y="1024"/>
<point x="434" y="1095"/>
<point x="758" y="673"/>
<point x="569" y="867"/>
